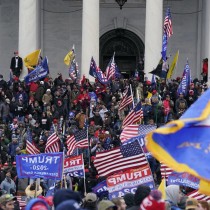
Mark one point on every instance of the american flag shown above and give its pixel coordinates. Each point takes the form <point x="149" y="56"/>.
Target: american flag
<point x="133" y="116"/>
<point x="22" y="201"/>
<point x="78" y="140"/>
<point x="131" y="131"/>
<point x="126" y="99"/>
<point x="198" y="196"/>
<point x="53" y="144"/>
<point x="111" y="69"/>
<point x="30" y="147"/>
<point x="168" y="24"/>
<point x="165" y="171"/>
<point x="128" y="155"/>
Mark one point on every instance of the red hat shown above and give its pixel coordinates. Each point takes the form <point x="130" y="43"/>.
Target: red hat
<point x="93" y="158"/>
<point x="153" y="201"/>
<point x="14" y="163"/>
<point x="92" y="123"/>
<point x="6" y="164"/>
<point x="154" y="92"/>
<point x="55" y="120"/>
<point x="148" y="82"/>
<point x="86" y="170"/>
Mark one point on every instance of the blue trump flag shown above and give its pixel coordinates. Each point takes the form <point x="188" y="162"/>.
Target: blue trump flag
<point x="184" y="144"/>
<point x="45" y="165"/>
<point x="164" y="46"/>
<point x="185" y="83"/>
<point x="38" y="73"/>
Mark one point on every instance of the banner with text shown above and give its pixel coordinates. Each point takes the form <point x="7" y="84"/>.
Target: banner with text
<point x="74" y="166"/>
<point x="100" y="187"/>
<point x="183" y="179"/>
<point x="45" y="165"/>
<point x="127" y="182"/>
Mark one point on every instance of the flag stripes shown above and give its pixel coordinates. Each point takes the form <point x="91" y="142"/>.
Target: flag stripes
<point x="165" y="171"/>
<point x="129" y="132"/>
<point x="133" y="116"/>
<point x="196" y="195"/>
<point x="126" y="99"/>
<point x="127" y="156"/>
<point x="53" y="144"/>
<point x="168" y="24"/>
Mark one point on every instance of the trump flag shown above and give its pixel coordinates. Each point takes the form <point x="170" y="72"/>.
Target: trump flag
<point x="184" y="144"/>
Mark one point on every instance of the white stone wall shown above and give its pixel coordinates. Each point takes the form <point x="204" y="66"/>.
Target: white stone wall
<point x="9" y="11"/>
<point x="61" y="28"/>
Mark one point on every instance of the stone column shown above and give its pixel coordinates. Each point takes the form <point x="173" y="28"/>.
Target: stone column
<point x="90" y="35"/>
<point x="153" y="35"/>
<point x="29" y="28"/>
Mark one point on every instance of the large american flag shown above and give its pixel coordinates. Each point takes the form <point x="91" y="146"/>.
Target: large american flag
<point x="167" y="27"/>
<point x="111" y="69"/>
<point x="131" y="131"/>
<point x="53" y="144"/>
<point x="198" y="196"/>
<point x="126" y="99"/>
<point x="128" y="155"/>
<point x="78" y="140"/>
<point x="133" y="116"/>
<point x="30" y="147"/>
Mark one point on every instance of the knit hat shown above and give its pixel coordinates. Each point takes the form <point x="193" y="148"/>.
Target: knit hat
<point x="191" y="203"/>
<point x="36" y="204"/>
<point x="91" y="197"/>
<point x="153" y="201"/>
<point x="68" y="204"/>
<point x="105" y="204"/>
<point x="129" y="199"/>
<point x="142" y="192"/>
<point x="65" y="194"/>
<point x="6" y="198"/>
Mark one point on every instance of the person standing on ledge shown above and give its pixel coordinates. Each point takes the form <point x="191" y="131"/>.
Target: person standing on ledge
<point x="16" y="65"/>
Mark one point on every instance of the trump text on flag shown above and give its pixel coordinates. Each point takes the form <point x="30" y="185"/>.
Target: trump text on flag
<point x="127" y="182"/>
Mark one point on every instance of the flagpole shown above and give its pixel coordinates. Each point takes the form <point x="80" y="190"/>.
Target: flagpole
<point x="89" y="153"/>
<point x="132" y="94"/>
<point x="85" y="190"/>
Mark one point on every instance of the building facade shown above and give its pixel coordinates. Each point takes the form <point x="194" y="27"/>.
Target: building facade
<point x="100" y="28"/>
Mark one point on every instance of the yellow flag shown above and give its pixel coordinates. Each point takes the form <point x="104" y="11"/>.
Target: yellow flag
<point x="32" y="59"/>
<point x="204" y="187"/>
<point x="69" y="57"/>
<point x="162" y="188"/>
<point x="173" y="66"/>
<point x="149" y="94"/>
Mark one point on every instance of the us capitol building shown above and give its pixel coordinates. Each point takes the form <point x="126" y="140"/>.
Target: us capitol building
<point x="133" y="29"/>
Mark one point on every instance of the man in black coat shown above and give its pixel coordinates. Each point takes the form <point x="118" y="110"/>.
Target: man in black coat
<point x="16" y="65"/>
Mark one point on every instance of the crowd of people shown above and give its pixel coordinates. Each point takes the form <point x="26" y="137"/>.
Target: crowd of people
<point x="66" y="107"/>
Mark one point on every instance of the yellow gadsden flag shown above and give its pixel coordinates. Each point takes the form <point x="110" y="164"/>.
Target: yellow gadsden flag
<point x="173" y="66"/>
<point x="31" y="59"/>
<point x="69" y="57"/>
<point x="162" y="188"/>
